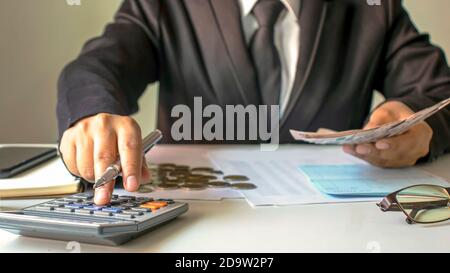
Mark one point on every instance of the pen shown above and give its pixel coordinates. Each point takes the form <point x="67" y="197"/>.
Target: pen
<point x="115" y="169"/>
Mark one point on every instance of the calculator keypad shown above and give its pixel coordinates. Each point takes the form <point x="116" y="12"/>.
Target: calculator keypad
<point x="121" y="207"/>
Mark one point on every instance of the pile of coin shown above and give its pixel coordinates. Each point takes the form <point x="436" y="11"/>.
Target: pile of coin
<point x="168" y="176"/>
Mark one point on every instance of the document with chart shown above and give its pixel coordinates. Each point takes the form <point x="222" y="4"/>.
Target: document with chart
<point x="328" y="175"/>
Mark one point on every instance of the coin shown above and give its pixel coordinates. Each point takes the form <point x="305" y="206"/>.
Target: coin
<point x="194" y="186"/>
<point x="179" y="173"/>
<point x="236" y="178"/>
<point x="202" y="169"/>
<point x="243" y="186"/>
<point x="195" y="175"/>
<point x="218" y="184"/>
<point x="167" y="165"/>
<point x="197" y="181"/>
<point x="178" y="182"/>
<point x="167" y="186"/>
<point x="172" y="179"/>
<point x="145" y="190"/>
<point x="166" y="169"/>
<point x="170" y="176"/>
<point x="182" y="167"/>
<point x="210" y="177"/>
<point x="156" y="180"/>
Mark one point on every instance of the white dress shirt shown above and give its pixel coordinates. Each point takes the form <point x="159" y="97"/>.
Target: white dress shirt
<point x="287" y="41"/>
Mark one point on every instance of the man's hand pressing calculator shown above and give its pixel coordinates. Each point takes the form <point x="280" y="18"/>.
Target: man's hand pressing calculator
<point x="94" y="143"/>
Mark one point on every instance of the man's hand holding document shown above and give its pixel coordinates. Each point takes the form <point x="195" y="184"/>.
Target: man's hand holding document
<point x="369" y="135"/>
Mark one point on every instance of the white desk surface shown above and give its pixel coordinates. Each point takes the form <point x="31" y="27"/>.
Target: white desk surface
<point x="233" y="226"/>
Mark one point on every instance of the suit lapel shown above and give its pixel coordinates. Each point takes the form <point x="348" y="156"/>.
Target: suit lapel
<point x="217" y="26"/>
<point x="312" y="17"/>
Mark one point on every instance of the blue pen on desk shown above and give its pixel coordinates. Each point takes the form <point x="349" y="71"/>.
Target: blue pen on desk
<point x="114" y="170"/>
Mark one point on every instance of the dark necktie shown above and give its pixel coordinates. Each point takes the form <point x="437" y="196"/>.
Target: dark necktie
<point x="264" y="52"/>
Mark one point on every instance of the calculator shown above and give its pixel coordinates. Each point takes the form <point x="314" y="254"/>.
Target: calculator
<point x="77" y="218"/>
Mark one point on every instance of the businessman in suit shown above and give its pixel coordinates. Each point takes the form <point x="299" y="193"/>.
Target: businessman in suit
<point x="319" y="60"/>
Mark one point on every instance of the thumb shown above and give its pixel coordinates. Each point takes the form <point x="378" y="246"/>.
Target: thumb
<point x="373" y="123"/>
<point x="379" y="117"/>
<point x="388" y="112"/>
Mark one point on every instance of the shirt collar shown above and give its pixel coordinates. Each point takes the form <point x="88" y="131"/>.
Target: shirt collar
<point x="293" y="6"/>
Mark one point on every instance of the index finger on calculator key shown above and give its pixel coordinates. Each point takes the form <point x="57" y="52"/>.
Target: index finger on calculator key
<point x="103" y="194"/>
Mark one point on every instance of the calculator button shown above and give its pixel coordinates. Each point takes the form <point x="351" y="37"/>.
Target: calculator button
<point x="44" y="208"/>
<point x="137" y="204"/>
<point x="102" y="213"/>
<point x="94" y="208"/>
<point x="141" y="201"/>
<point x="149" y="206"/>
<point x="124" y="216"/>
<point x="131" y="212"/>
<point x="144" y="199"/>
<point x="51" y="205"/>
<point x="141" y="209"/>
<point x="129" y="205"/>
<point x="74" y="206"/>
<point x="169" y="201"/>
<point x="83" y="211"/>
<point x="126" y="197"/>
<point x="115" y="203"/>
<point x="121" y="207"/>
<point x="62" y="202"/>
<point x="85" y="195"/>
<point x="113" y="210"/>
<point x="64" y="210"/>
<point x="117" y="207"/>
<point x="159" y="203"/>
<point x="154" y="205"/>
<point x="74" y="200"/>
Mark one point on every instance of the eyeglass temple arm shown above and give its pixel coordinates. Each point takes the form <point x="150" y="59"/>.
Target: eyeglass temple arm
<point x="386" y="205"/>
<point x="389" y="204"/>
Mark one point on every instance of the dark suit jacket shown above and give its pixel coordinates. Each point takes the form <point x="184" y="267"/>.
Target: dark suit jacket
<point x="196" y="48"/>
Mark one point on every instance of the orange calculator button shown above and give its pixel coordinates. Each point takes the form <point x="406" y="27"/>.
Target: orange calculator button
<point x="154" y="205"/>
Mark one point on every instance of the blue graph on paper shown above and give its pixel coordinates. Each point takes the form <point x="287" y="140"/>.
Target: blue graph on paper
<point x="365" y="180"/>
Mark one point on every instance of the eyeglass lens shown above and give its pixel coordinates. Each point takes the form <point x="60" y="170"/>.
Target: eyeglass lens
<point x="425" y="204"/>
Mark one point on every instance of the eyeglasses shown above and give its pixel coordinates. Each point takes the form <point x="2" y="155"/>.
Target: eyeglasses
<point x="422" y="204"/>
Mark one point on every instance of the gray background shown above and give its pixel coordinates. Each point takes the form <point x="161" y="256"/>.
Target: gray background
<point x="40" y="36"/>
